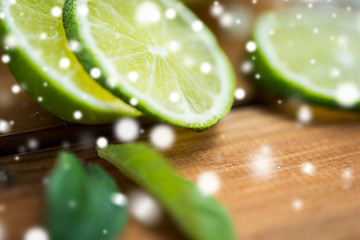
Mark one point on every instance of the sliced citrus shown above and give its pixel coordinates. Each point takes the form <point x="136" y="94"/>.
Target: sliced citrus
<point x="310" y="53"/>
<point x="156" y="55"/>
<point x="38" y="55"/>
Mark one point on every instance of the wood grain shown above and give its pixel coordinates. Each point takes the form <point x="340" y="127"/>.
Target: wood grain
<point x="261" y="203"/>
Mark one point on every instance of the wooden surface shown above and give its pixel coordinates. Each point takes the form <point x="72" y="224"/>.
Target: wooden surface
<point x="261" y="206"/>
<point x="258" y="151"/>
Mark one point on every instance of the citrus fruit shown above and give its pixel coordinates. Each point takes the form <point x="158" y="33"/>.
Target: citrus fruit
<point x="310" y="53"/>
<point x="37" y="52"/>
<point x="156" y="55"/>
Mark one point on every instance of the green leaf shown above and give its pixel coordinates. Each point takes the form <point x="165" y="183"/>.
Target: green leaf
<point x="201" y="217"/>
<point x="79" y="202"/>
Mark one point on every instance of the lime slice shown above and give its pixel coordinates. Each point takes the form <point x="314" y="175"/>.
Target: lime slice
<point x="156" y="55"/>
<point x="310" y="53"/>
<point x="36" y="50"/>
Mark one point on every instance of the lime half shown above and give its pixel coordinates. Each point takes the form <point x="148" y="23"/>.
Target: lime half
<point x="37" y="52"/>
<point x="310" y="53"/>
<point x="156" y="55"/>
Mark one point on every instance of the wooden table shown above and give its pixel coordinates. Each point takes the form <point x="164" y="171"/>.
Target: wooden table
<point x="279" y="179"/>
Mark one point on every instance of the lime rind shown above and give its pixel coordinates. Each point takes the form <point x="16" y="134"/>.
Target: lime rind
<point x="276" y="77"/>
<point x="275" y="81"/>
<point x="60" y="100"/>
<point x="91" y="58"/>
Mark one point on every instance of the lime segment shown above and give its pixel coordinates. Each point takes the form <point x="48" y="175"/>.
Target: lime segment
<point x="43" y="64"/>
<point x="156" y="55"/>
<point x="310" y="53"/>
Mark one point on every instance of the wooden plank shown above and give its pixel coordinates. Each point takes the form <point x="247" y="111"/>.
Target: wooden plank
<point x="260" y="205"/>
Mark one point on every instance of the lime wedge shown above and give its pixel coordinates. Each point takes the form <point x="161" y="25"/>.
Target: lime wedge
<point x="155" y="55"/>
<point x="310" y="53"/>
<point x="37" y="52"/>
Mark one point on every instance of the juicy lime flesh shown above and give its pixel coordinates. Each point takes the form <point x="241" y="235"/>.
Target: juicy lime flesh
<point x="45" y="34"/>
<point x="321" y="45"/>
<point x="158" y="57"/>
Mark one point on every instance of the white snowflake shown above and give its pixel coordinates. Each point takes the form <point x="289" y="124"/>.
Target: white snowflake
<point x="262" y="163"/>
<point x="15" y="89"/>
<point x="148" y="12"/>
<point x="162" y="136"/>
<point x="95" y="73"/>
<point x="251" y="46"/>
<point x="144" y="208"/>
<point x="133" y="76"/>
<point x="170" y="13"/>
<point x="72" y="204"/>
<point x="226" y="20"/>
<point x="208" y="183"/>
<point x="74" y="46"/>
<point x="134" y="102"/>
<point x="206" y="67"/>
<point x="297" y="204"/>
<point x="83" y="10"/>
<point x="102" y="142"/>
<point x="308" y="168"/>
<point x="347" y="174"/>
<point x="127" y="130"/>
<point x="348" y="178"/>
<point x="5" y="59"/>
<point x="174" y="97"/>
<point x="43" y="36"/>
<point x="78" y="115"/>
<point x="347" y="94"/>
<point x="5" y="126"/>
<point x="247" y="67"/>
<point x="36" y="233"/>
<point x="174" y="46"/>
<point x="197" y="26"/>
<point x="10" y="41"/>
<point x="64" y="62"/>
<point x="334" y="73"/>
<point x="33" y="143"/>
<point x="56" y="11"/>
<point x="304" y="114"/>
<point x="240" y="94"/>
<point x="217" y="9"/>
<point x="119" y="199"/>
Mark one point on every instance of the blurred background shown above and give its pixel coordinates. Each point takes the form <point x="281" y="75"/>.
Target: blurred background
<point x="279" y="177"/>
